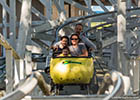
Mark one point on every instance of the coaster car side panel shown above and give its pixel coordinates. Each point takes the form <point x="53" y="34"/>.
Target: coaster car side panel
<point x="71" y="70"/>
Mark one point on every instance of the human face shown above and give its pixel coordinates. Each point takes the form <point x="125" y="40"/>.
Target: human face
<point x="74" y="40"/>
<point x="65" y="52"/>
<point x="64" y="41"/>
<point x="78" y="29"/>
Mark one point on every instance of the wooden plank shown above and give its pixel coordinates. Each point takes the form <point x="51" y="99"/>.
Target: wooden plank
<point x="62" y="4"/>
<point x="88" y="3"/>
<point x="9" y="71"/>
<point x="25" y="22"/>
<point x="4" y="5"/>
<point x="122" y="61"/>
<point x="45" y="48"/>
<point x="43" y="36"/>
<point x="13" y="23"/>
<point x="129" y="4"/>
<point x="48" y="25"/>
<point x="136" y="77"/>
<point x="109" y="41"/>
<point x="48" y="8"/>
<point x="79" y="6"/>
<point x="101" y="5"/>
<point x="7" y="46"/>
<point x="21" y="70"/>
<point x="121" y="22"/>
<point x="62" y="16"/>
<point x="4" y="29"/>
<point x="36" y="12"/>
<point x="111" y="1"/>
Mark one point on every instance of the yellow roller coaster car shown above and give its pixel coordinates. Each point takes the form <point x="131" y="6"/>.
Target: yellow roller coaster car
<point x="71" y="70"/>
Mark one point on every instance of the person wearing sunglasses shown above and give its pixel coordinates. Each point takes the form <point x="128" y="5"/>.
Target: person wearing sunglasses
<point x="77" y="49"/>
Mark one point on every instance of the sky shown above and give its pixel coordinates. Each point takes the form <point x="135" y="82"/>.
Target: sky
<point x="98" y="9"/>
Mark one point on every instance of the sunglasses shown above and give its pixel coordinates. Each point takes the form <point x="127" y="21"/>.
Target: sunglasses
<point x="74" y="39"/>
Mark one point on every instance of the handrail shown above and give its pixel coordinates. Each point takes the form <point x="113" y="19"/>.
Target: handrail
<point x="31" y="82"/>
<point x="116" y="89"/>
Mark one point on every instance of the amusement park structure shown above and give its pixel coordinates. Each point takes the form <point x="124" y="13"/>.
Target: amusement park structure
<point x="29" y="28"/>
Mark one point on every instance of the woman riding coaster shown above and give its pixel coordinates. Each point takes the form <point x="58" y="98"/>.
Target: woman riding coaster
<point x="77" y="49"/>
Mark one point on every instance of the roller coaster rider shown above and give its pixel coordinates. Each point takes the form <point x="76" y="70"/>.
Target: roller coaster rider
<point x="58" y="47"/>
<point x="89" y="45"/>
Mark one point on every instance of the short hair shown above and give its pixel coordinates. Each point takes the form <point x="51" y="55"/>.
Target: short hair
<point x="64" y="37"/>
<point x="74" y="35"/>
<point x="79" y="24"/>
<point x="66" y="47"/>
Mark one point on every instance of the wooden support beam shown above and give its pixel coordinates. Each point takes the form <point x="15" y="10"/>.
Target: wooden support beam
<point x="25" y="24"/>
<point x="129" y="3"/>
<point x="13" y="23"/>
<point x="28" y="63"/>
<point x="136" y="76"/>
<point x="79" y="6"/>
<point x="109" y="41"/>
<point x="62" y="4"/>
<point x="101" y="5"/>
<point x="137" y="69"/>
<point x="36" y="12"/>
<point x="57" y="6"/>
<point x="134" y="48"/>
<point x="44" y="36"/>
<point x="21" y="69"/>
<point x="48" y="25"/>
<point x="16" y="73"/>
<point x="114" y="56"/>
<point x="4" y="21"/>
<point x="9" y="71"/>
<point x="45" y="48"/>
<point x="48" y="8"/>
<point x="88" y="3"/>
<point x="62" y="16"/>
<point x="4" y="5"/>
<point x="121" y="22"/>
<point x="114" y="4"/>
<point x="7" y="46"/>
<point x="113" y="39"/>
<point x="122" y="60"/>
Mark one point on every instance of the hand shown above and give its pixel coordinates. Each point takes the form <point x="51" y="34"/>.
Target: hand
<point x="91" y="49"/>
<point x="55" y="48"/>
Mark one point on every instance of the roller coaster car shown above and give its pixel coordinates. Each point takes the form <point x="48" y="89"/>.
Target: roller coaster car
<point x="71" y="70"/>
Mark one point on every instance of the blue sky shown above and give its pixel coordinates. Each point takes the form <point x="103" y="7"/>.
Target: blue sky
<point x="98" y="9"/>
